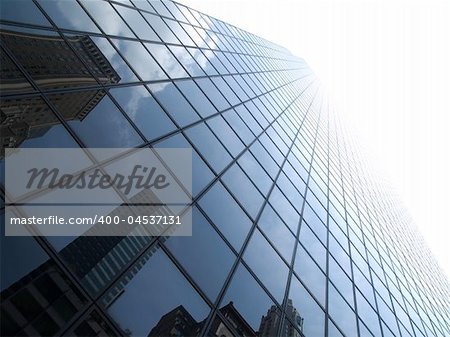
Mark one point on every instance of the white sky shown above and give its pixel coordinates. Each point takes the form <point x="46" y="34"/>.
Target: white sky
<point x="386" y="65"/>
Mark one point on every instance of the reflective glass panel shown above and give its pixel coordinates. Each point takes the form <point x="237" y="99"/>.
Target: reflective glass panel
<point x="151" y="291"/>
<point x="96" y="119"/>
<point x="226" y="214"/>
<point x="144" y="111"/>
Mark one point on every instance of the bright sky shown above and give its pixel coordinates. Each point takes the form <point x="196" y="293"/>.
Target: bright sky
<point x="386" y="65"/>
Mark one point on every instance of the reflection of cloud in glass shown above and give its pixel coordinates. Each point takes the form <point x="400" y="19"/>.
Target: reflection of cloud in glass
<point x="113" y="25"/>
<point x="138" y="57"/>
<point x="166" y="60"/>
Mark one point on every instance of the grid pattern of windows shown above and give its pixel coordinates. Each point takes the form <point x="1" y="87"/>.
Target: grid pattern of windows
<point x="292" y="235"/>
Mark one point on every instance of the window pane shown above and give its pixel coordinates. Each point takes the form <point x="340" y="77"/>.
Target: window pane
<point x="167" y="61"/>
<point x="144" y="111"/>
<point x="121" y="72"/>
<point x="152" y="291"/>
<point x="310" y="274"/>
<point x="256" y="173"/>
<point x="282" y="206"/>
<point x="137" y="23"/>
<point x="209" y="146"/>
<point x="313" y="246"/>
<point x="249" y="300"/>
<point x="341" y="312"/>
<point x="214" y="95"/>
<point x="107" y="18"/>
<point x="174" y="103"/>
<point x="28" y="13"/>
<point x="67" y="14"/>
<point x="313" y="316"/>
<point x="98" y="124"/>
<point x="226" y="214"/>
<point x="160" y="28"/>
<point x="33" y="288"/>
<point x="202" y="175"/>
<point x="226" y="135"/>
<point x="42" y="129"/>
<point x="205" y="255"/>
<point x="196" y="97"/>
<point x="239" y="126"/>
<point x="187" y="61"/>
<point x="243" y="189"/>
<point x="141" y="61"/>
<point x="277" y="232"/>
<point x="267" y="265"/>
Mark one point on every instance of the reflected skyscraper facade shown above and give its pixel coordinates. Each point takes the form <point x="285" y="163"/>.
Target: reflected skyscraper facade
<point x="292" y="233"/>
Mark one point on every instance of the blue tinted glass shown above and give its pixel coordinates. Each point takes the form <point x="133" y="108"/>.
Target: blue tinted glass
<point x="209" y="146"/>
<point x="137" y="23"/>
<point x="167" y="61"/>
<point x="368" y="314"/>
<point x="277" y="232"/>
<point x="174" y="103"/>
<point x="341" y="312"/>
<point x="213" y="93"/>
<point x="243" y="189"/>
<point x="28" y="12"/>
<point x="107" y="18"/>
<point x="68" y="14"/>
<point x="226" y="214"/>
<point x="290" y="190"/>
<point x="310" y="274"/>
<point x="187" y="60"/>
<point x="239" y="126"/>
<point x="143" y="111"/>
<point x="99" y="124"/>
<point x="313" y="316"/>
<point x="205" y="255"/>
<point x="249" y="300"/>
<point x="282" y="206"/>
<point x="225" y="90"/>
<point x="19" y="256"/>
<point x="152" y="290"/>
<point x="256" y="173"/>
<point x="313" y="246"/>
<point x="202" y="61"/>
<point x="160" y="27"/>
<point x="340" y="281"/>
<point x="201" y="174"/>
<point x="140" y="60"/>
<point x="267" y="265"/>
<point x="226" y="135"/>
<point x="264" y="158"/>
<point x="36" y="127"/>
<point x="197" y="98"/>
<point x="315" y="223"/>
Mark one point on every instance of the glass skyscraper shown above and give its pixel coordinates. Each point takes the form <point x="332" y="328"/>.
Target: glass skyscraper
<point x="293" y="236"/>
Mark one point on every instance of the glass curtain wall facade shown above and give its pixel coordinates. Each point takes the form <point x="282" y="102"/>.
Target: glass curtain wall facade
<point x="292" y="234"/>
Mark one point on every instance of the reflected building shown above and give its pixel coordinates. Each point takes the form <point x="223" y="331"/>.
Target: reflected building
<point x="53" y="65"/>
<point x="293" y="232"/>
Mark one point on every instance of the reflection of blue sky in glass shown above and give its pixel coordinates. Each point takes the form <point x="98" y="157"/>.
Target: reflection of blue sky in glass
<point x="248" y="297"/>
<point x="204" y="255"/>
<point x="230" y="218"/>
<point x="144" y="111"/>
<point x="68" y="14"/>
<point x="267" y="265"/>
<point x="149" y="295"/>
<point x="309" y="310"/>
